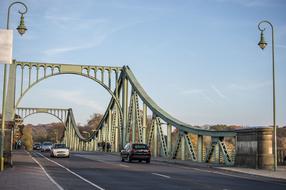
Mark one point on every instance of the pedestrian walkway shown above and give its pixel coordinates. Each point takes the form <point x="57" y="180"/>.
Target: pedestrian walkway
<point x="25" y="174"/>
<point x="279" y="174"/>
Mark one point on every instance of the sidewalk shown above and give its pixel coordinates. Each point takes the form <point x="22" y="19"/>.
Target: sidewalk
<point x="25" y="174"/>
<point x="279" y="174"/>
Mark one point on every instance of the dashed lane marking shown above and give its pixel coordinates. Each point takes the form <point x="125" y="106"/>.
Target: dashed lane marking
<point x="161" y="175"/>
<point x="123" y="165"/>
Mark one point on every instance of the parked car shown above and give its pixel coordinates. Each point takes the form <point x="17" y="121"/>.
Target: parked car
<point x="136" y="151"/>
<point x="46" y="146"/>
<point x="60" y="150"/>
<point x="37" y="146"/>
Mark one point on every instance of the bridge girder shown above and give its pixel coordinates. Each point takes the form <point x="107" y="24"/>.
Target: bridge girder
<point x="124" y="120"/>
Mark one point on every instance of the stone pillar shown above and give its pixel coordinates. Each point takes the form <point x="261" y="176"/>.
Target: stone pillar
<point x="254" y="148"/>
<point x="265" y="151"/>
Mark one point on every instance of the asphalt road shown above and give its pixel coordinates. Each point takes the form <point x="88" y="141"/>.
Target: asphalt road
<point x="105" y="171"/>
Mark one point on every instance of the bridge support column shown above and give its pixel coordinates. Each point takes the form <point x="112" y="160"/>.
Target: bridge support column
<point x="155" y="137"/>
<point x="116" y="139"/>
<point x="200" y="145"/>
<point x="77" y="144"/>
<point x="124" y="110"/>
<point x="72" y="138"/>
<point x="133" y="122"/>
<point x="169" y="139"/>
<point x="109" y="125"/>
<point x="216" y="152"/>
<point x="94" y="144"/>
<point x="183" y="143"/>
<point x="144" y="125"/>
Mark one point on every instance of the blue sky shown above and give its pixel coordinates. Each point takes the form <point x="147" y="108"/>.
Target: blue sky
<point x="199" y="60"/>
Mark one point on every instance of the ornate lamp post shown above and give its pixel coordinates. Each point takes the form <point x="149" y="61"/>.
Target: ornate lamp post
<point x="262" y="44"/>
<point x="21" y="29"/>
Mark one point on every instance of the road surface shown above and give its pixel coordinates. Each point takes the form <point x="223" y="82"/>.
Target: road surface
<point x="98" y="170"/>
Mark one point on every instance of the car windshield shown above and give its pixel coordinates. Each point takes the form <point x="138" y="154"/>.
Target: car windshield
<point x="47" y="143"/>
<point x="59" y="146"/>
<point x="140" y="146"/>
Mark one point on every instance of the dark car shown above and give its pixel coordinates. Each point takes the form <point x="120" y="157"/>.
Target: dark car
<point x="136" y="151"/>
<point x="37" y="146"/>
<point x="46" y="146"/>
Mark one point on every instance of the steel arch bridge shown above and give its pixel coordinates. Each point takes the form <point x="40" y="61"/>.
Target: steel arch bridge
<point x="125" y="119"/>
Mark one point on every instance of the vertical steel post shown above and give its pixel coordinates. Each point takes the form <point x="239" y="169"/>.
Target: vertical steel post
<point x="3" y="120"/>
<point x="99" y="135"/>
<point x="124" y="110"/>
<point x="200" y="148"/>
<point x="109" y="125"/>
<point x="117" y="138"/>
<point x="183" y="154"/>
<point x="133" y="120"/>
<point x="144" y="123"/>
<point x="155" y="137"/>
<point x="169" y="139"/>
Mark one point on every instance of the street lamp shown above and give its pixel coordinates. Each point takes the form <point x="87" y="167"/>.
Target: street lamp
<point x="21" y="29"/>
<point x="262" y="44"/>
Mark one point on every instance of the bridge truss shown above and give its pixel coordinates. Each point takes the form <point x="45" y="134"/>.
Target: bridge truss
<point x="126" y="118"/>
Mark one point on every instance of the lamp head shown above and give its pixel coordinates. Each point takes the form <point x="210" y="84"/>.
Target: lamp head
<point x="262" y="44"/>
<point x="22" y="28"/>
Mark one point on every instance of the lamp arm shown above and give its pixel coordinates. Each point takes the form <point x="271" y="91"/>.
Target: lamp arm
<point x="19" y="11"/>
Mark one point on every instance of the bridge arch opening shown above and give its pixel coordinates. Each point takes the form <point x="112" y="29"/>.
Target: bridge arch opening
<point x="44" y="131"/>
<point x="65" y="88"/>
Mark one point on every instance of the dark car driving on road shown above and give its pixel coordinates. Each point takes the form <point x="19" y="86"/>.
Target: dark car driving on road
<point x="37" y="146"/>
<point x="136" y="151"/>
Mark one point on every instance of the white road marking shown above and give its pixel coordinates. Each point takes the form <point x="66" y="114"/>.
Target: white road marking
<point x="82" y="178"/>
<point x="50" y="178"/>
<point x="161" y="175"/>
<point x="123" y="165"/>
<point x="221" y="173"/>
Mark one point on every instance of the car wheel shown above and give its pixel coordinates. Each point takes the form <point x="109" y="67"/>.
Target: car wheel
<point x="129" y="159"/>
<point x="140" y="160"/>
<point x="148" y="161"/>
<point x="122" y="160"/>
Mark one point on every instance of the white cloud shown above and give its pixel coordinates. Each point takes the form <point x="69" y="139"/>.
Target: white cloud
<point x="250" y="3"/>
<point x="250" y="86"/>
<point x="59" y="50"/>
<point x="281" y="46"/>
<point x="77" y="98"/>
<point x="197" y="92"/>
<point x="219" y="93"/>
<point x="192" y="91"/>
